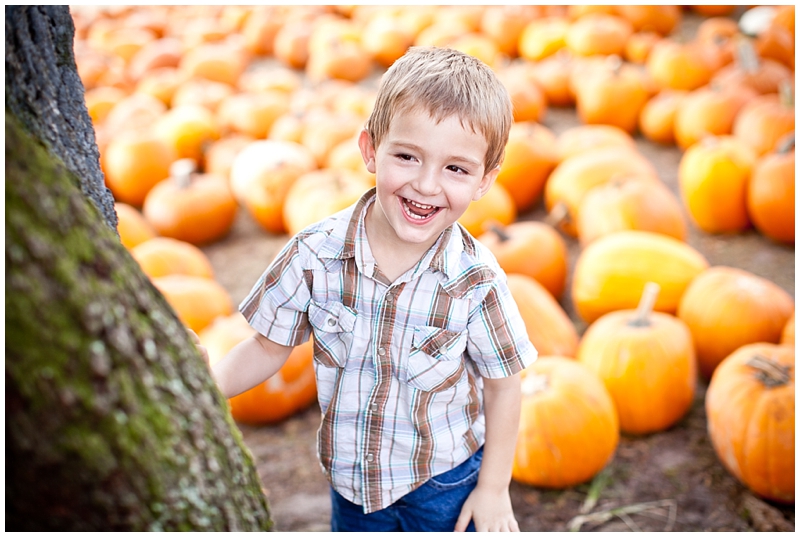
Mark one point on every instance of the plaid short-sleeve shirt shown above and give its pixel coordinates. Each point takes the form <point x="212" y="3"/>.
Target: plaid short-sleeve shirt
<point x="399" y="365"/>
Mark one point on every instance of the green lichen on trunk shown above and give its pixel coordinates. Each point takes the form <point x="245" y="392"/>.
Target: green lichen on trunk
<point x="112" y="420"/>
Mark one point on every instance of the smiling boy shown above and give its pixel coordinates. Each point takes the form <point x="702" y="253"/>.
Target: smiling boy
<point x="417" y="341"/>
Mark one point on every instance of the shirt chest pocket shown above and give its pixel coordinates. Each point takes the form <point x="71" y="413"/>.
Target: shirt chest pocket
<point x="333" y="324"/>
<point x="436" y="360"/>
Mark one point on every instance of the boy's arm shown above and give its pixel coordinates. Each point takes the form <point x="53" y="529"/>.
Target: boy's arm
<point x="248" y="364"/>
<point x="489" y="504"/>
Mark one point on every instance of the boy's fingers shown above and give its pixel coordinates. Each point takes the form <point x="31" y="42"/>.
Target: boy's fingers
<point x="463" y="520"/>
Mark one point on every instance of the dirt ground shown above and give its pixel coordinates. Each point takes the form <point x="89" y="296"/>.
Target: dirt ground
<point x="668" y="481"/>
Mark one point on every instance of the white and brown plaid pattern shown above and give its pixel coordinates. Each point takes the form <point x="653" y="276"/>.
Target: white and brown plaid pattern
<point x="399" y="365"/>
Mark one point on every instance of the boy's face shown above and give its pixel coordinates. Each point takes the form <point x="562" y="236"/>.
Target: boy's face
<point x="426" y="175"/>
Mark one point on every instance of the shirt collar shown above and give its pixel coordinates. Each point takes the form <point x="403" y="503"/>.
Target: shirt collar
<point x="346" y="232"/>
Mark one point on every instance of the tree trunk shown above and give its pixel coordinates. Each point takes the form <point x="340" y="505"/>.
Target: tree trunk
<point x="112" y="419"/>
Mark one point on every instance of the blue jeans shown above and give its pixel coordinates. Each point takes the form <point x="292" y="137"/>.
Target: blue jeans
<point x="434" y="506"/>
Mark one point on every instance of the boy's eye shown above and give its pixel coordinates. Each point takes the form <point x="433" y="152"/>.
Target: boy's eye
<point x="403" y="156"/>
<point x="456" y="169"/>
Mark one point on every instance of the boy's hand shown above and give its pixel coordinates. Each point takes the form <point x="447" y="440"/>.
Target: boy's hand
<point x="490" y="510"/>
<point x="200" y="347"/>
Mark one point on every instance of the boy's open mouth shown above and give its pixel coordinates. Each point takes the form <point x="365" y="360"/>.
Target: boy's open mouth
<point x="419" y="211"/>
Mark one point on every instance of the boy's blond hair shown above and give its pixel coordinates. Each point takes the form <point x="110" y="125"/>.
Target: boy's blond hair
<point x="445" y="82"/>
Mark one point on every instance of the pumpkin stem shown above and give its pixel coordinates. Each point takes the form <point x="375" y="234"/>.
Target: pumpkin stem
<point x="646" y="303"/>
<point x="499" y="230"/>
<point x="746" y="56"/>
<point x="533" y="384"/>
<point x="181" y="171"/>
<point x="559" y="215"/>
<point x="770" y="373"/>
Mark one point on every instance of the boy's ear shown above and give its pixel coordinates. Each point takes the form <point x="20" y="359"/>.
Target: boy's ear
<point x="486" y="183"/>
<point x="367" y="150"/>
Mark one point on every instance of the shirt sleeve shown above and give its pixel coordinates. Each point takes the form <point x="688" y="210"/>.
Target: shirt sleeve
<point x="497" y="339"/>
<point x="277" y="305"/>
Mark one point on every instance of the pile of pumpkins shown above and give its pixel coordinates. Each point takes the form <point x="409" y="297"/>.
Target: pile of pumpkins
<point x="200" y="111"/>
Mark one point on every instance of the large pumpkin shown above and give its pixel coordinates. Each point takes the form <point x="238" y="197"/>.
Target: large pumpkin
<point x="161" y="256"/>
<point x="568" y="425"/>
<point x="647" y="362"/>
<point x="291" y="389"/>
<point x="132" y="226"/>
<point x="531" y="248"/>
<point x="611" y="272"/>
<point x="549" y="327"/>
<point x="750" y="412"/>
<point x="727" y="307"/>
<point x="495" y="207"/>
<point x="770" y="196"/>
<point x="712" y="177"/>
<point x="765" y="120"/>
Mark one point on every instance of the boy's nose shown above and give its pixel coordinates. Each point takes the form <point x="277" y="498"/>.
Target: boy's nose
<point x="426" y="182"/>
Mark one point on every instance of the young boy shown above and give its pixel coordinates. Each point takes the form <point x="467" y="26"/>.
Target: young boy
<point x="417" y="341"/>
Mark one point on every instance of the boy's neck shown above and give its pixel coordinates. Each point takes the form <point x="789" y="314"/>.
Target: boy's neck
<point x="394" y="258"/>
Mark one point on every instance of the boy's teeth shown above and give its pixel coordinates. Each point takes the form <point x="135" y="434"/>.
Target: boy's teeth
<point x="421" y="206"/>
<point x="419" y="211"/>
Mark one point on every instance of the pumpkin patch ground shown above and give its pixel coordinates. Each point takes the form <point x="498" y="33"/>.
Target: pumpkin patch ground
<point x="669" y="480"/>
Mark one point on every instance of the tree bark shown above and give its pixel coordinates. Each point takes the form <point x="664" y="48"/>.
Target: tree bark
<point x="113" y="422"/>
<point x="44" y="91"/>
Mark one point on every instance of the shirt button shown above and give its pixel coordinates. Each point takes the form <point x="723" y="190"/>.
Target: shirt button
<point x="374" y="407"/>
<point x="370" y="458"/>
<point x="382" y="351"/>
<point x="389" y="298"/>
<point x="331" y="322"/>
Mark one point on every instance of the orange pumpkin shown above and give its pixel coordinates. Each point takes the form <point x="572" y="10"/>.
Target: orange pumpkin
<point x="564" y="408"/>
<point x="203" y="92"/>
<point x="132" y="226"/>
<point x="292" y="389"/>
<point x="770" y="195"/>
<point x="776" y="43"/>
<point x="385" y="40"/>
<point x="712" y="10"/>
<point x="196" y="208"/>
<point x="763" y="121"/>
<point x="496" y="206"/>
<point x="220" y="154"/>
<point x="531" y="248"/>
<point x="639" y="45"/>
<point x="552" y="75"/>
<point x="598" y="34"/>
<point x="677" y="65"/>
<point x="156" y="54"/>
<point x="575" y="176"/>
<point x="134" y="162"/>
<point x="543" y="37"/>
<point x="187" y="129"/>
<point x="196" y="300"/>
<point x="162" y="256"/>
<point x="647" y="363"/>
<point x="727" y="307"/>
<point x="548" y="326"/>
<point x="259" y="29"/>
<point x="613" y="96"/>
<point x="161" y="83"/>
<point x="713" y="176"/>
<point x="662" y="19"/>
<point x="252" y="113"/>
<point x="657" y="118"/>
<point x="220" y="62"/>
<point x="787" y="334"/>
<point x="620" y="205"/>
<point x="529" y="159"/>
<point x="504" y="25"/>
<point x="611" y="272"/>
<point x="101" y="100"/>
<point x="750" y="411"/>
<point x="260" y="177"/>
<point x="527" y="98"/>
<point x="320" y="193"/>
<point x="291" y="43"/>
<point x="582" y="138"/>
<point x="763" y="75"/>
<point x="708" y="111"/>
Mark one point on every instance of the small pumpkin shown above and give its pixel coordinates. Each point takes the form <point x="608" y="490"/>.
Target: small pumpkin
<point x="504" y="25"/>
<point x="320" y="193"/>
<point x="611" y="272"/>
<point x="750" y="411"/>
<point x="662" y="19"/>
<point x="203" y="92"/>
<point x="657" y="118"/>
<point x="220" y="154"/>
<point x="552" y="75"/>
<point x="530" y="157"/>
<point x="531" y="248"/>
<point x="196" y="300"/>
<point x="496" y="206"/>
<point x="292" y="389"/>
<point x="548" y="326"/>
<point x="598" y="34"/>
<point x="678" y="65"/>
<point x="727" y="307"/>
<point x="252" y="113"/>
<point x="770" y="194"/>
<point x="260" y="177"/>
<point x="765" y="120"/>
<point x="580" y="138"/>
<point x="221" y="62"/>
<point x="543" y="37"/>
<point x="194" y="207"/>
<point x="528" y="100"/>
<point x="385" y="40"/>
<point x="639" y="45"/>
<point x="565" y="408"/>
<point x="646" y="361"/>
<point x="620" y="205"/>
<point x="712" y="178"/>
<point x="709" y="111"/>
<point x="132" y="226"/>
<point x="134" y="162"/>
<point x="188" y="129"/>
<point x="161" y="256"/>
<point x="575" y="176"/>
